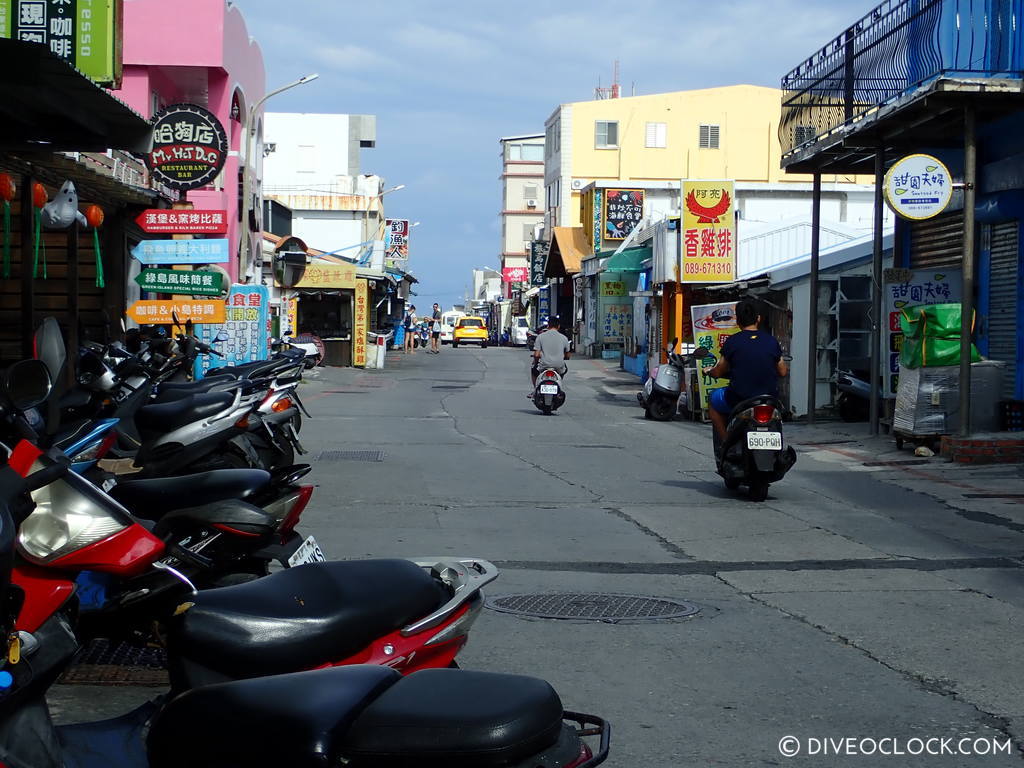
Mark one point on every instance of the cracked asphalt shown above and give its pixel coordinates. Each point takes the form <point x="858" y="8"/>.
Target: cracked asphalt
<point x="868" y="597"/>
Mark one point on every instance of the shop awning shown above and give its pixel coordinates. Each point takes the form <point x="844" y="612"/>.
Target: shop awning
<point x="630" y="260"/>
<point x="568" y="249"/>
<point x="532" y="292"/>
<point x="49" y="105"/>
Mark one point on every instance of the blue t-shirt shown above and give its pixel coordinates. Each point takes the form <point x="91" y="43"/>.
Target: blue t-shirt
<point x="753" y="358"/>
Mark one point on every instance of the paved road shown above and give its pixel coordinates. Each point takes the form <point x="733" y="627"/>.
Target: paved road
<point x="844" y="606"/>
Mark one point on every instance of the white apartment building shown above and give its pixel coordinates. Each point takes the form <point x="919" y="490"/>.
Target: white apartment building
<point x="522" y="199"/>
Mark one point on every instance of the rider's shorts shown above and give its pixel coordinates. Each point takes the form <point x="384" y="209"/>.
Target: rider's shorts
<point x="720" y="401"/>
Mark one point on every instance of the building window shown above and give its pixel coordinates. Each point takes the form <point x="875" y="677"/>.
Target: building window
<point x="530" y="192"/>
<point x="606" y="134"/>
<point x="527" y="233"/>
<point x="656" y="135"/>
<point x="709" y="135"/>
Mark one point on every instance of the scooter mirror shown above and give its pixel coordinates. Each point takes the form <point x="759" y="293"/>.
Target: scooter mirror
<point x="220" y="337"/>
<point x="700" y="353"/>
<point x="27" y="384"/>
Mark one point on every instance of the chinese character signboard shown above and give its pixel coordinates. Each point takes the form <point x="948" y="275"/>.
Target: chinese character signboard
<point x="905" y="288"/>
<point x="538" y="261"/>
<point x="182" y="251"/>
<point x="613" y="288"/>
<point x="396" y="241"/>
<point x="244" y="331"/>
<point x="617" y="322"/>
<point x="623" y="210"/>
<point x="160" y="222"/>
<point x="362" y="315"/>
<point x="712" y="325"/>
<point x="163" y="312"/>
<point x="189" y="147"/>
<point x="515" y="274"/>
<point x="543" y="304"/>
<point x="85" y="33"/>
<point x="709" y="232"/>
<point x="324" y="274"/>
<point x="179" y="281"/>
<point x="918" y="187"/>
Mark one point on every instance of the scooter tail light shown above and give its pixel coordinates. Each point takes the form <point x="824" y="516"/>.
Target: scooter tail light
<point x="243" y="423"/>
<point x="550" y="375"/>
<point x="764" y="413"/>
<point x="459" y="627"/>
<point x="305" y="493"/>
<point x="282" y="405"/>
<point x="268" y="398"/>
<point x="582" y="759"/>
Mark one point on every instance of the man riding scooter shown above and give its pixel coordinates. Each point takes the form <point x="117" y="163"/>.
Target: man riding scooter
<point x="550" y="351"/>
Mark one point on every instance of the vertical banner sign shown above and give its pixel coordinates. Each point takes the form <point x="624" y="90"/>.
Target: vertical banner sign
<point x="712" y="325"/>
<point x="907" y="288"/>
<point x="396" y="241"/>
<point x="362" y="314"/>
<point x="543" y="304"/>
<point x="244" y="332"/>
<point x="709" y="232"/>
<point x="538" y="261"/>
<point x="290" y="308"/>
<point x="82" y="32"/>
<point x="623" y="210"/>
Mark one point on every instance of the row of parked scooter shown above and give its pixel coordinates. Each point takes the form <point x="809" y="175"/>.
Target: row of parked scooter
<point x="276" y="657"/>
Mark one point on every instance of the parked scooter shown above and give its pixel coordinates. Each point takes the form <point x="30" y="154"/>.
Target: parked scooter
<point x="660" y="395"/>
<point x="853" y="403"/>
<point x="754" y="452"/>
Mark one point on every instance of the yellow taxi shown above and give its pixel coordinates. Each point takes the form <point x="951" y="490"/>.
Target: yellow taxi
<point x="470" y="330"/>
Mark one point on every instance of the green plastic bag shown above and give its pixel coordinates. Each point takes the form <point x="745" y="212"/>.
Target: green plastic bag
<point x="936" y="321"/>
<point x="931" y="352"/>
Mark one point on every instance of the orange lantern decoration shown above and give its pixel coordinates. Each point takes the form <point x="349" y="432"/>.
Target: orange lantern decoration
<point x="40" y="197"/>
<point x="94" y="216"/>
<point x="7" y="188"/>
<point x="94" y="219"/>
<point x="7" y="191"/>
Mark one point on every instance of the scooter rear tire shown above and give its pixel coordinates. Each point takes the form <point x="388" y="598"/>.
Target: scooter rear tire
<point x="758" y="490"/>
<point x="731" y="483"/>
<point x="661" y="409"/>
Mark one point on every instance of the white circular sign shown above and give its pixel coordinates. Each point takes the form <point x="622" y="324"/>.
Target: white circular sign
<point x="918" y="187"/>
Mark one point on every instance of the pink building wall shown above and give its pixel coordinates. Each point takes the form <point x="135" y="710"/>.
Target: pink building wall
<point x="200" y="52"/>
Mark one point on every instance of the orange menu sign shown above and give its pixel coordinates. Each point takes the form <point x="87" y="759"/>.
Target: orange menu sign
<point x="156" y="312"/>
<point x="362" y="314"/>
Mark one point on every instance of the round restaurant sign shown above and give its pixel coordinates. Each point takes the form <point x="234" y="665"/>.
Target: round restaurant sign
<point x="918" y="187"/>
<point x="189" y="147"/>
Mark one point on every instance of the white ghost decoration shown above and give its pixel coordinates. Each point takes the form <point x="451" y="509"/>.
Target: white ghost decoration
<point x="61" y="212"/>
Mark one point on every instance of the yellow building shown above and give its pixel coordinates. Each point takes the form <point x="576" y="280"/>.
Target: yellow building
<point x="713" y="133"/>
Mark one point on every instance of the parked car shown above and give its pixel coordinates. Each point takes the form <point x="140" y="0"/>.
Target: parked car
<point x="470" y="330"/>
<point x="520" y="330"/>
<point x="448" y="321"/>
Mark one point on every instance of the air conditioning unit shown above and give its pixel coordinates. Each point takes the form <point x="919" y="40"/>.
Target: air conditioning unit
<point x="578" y="183"/>
<point x="531" y="203"/>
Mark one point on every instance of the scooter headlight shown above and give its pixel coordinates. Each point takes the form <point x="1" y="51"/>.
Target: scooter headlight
<point x="69" y="516"/>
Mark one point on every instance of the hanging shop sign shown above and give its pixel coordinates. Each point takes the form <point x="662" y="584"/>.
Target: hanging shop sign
<point x="396" y="241"/>
<point x="911" y="288"/>
<point x="362" y="315"/>
<point x="623" y="210"/>
<point x="164" y="312"/>
<point x="712" y="325"/>
<point x="189" y="147"/>
<point x="322" y="274"/>
<point x="191" y="222"/>
<point x="242" y="336"/>
<point x="178" y="281"/>
<point x="613" y="288"/>
<point x="85" y="33"/>
<point x="515" y="274"/>
<point x="918" y="187"/>
<point x="709" y="232"/>
<point x="213" y="251"/>
<point x="538" y="262"/>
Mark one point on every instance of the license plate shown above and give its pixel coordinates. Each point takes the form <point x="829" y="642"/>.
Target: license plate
<point x="548" y="389"/>
<point x="764" y="441"/>
<point x="308" y="552"/>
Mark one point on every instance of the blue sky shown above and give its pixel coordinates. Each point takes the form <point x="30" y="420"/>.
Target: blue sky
<point x="447" y="78"/>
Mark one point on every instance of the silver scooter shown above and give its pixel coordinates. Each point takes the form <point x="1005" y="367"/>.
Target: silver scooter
<point x="660" y="395"/>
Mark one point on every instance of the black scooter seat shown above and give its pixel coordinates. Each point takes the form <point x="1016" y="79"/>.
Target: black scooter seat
<point x="166" y="417"/>
<point x="255" y="369"/>
<point x="287" y="720"/>
<point x="152" y="498"/>
<point x="232" y="515"/>
<point x="177" y="390"/>
<point x="443" y="718"/>
<point x="299" y="618"/>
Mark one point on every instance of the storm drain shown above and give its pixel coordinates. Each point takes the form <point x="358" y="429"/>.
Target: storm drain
<point x="451" y="386"/>
<point x="351" y="456"/>
<point x="106" y="663"/>
<point x="584" y="606"/>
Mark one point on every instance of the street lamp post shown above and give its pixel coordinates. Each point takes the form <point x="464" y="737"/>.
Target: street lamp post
<point x="366" y="213"/>
<point x="250" y="132"/>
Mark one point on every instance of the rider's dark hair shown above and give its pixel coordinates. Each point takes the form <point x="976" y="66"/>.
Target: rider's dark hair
<point x="553" y="322"/>
<point x="746" y="312"/>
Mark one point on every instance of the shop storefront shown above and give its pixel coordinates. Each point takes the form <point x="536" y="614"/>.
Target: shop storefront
<point x="326" y="308"/>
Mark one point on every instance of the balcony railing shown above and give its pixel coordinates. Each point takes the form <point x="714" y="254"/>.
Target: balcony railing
<point x="895" y="49"/>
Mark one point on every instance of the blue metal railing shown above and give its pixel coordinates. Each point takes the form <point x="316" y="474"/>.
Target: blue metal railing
<point x="899" y="46"/>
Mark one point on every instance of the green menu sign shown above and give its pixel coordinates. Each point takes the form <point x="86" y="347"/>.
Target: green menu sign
<point x="181" y="281"/>
<point x="85" y="33"/>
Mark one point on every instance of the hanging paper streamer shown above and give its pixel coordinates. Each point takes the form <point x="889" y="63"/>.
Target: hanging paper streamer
<point x="94" y="219"/>
<point x="7" y="191"/>
<point x="39" y="199"/>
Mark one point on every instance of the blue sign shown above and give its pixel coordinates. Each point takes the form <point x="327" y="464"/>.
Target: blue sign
<point x="213" y="251"/>
<point x="244" y="333"/>
<point x="544" y="304"/>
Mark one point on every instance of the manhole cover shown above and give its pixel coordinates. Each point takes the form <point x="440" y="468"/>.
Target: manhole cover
<point x="103" y="663"/>
<point x="584" y="606"/>
<point x="351" y="456"/>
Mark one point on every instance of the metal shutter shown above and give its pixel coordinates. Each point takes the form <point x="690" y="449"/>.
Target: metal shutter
<point x="1002" y="316"/>
<point x="937" y="242"/>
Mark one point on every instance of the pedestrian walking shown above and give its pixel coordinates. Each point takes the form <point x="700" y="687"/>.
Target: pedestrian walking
<point x="409" y="323"/>
<point x="435" y="330"/>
